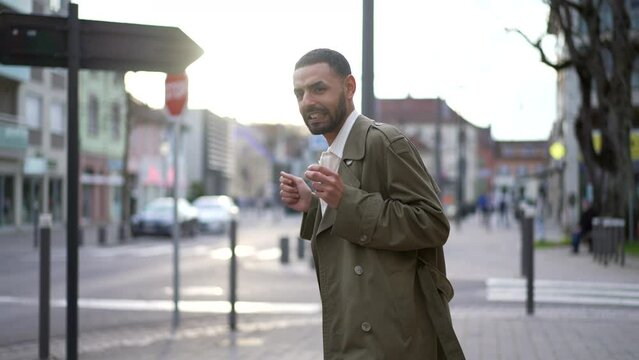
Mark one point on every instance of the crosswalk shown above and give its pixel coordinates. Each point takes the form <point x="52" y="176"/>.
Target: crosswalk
<point x="564" y="292"/>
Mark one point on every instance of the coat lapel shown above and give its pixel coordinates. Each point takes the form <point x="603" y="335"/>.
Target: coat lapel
<point x="353" y="150"/>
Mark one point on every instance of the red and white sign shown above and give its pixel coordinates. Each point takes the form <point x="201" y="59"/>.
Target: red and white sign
<point x="177" y="92"/>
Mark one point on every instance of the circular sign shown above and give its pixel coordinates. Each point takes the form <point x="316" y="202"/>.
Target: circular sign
<point x="557" y="150"/>
<point x="177" y="92"/>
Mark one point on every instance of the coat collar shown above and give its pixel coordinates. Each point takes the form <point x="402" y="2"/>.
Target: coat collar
<point x="356" y="142"/>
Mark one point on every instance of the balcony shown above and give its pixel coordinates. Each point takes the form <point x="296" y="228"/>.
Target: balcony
<point x="14" y="137"/>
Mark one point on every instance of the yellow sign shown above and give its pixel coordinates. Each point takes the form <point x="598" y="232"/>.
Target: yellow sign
<point x="634" y="143"/>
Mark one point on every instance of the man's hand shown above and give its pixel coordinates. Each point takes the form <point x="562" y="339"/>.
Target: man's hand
<point x="327" y="184"/>
<point x="294" y="192"/>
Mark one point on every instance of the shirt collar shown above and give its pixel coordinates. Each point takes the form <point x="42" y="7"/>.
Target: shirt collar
<point x="337" y="147"/>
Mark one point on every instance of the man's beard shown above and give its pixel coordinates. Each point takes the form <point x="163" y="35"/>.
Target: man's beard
<point x="335" y="120"/>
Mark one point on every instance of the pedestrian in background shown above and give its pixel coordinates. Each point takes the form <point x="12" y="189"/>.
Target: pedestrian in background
<point x="583" y="233"/>
<point x="376" y="227"/>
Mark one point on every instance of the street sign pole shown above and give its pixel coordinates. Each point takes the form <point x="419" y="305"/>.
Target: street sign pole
<point x="176" y="96"/>
<point x="73" y="176"/>
<point x="176" y="225"/>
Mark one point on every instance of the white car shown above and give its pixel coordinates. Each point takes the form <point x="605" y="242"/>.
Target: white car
<point x="215" y="213"/>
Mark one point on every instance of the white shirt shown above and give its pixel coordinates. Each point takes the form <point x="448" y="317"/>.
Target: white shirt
<point x="332" y="157"/>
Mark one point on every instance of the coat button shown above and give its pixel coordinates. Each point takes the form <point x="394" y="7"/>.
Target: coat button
<point x="358" y="270"/>
<point x="366" y="326"/>
<point x="363" y="238"/>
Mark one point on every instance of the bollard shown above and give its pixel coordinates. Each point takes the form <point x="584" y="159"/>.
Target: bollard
<point x="523" y="264"/>
<point x="529" y="260"/>
<point x="233" y="276"/>
<point x="45" y="285"/>
<point x="36" y="228"/>
<point x="122" y="233"/>
<point x="80" y="236"/>
<point x="284" y="247"/>
<point x="301" y="247"/>
<point x="102" y="235"/>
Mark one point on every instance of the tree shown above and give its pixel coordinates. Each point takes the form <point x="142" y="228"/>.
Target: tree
<point x="600" y="47"/>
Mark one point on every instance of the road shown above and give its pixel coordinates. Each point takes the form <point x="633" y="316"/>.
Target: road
<point x="122" y="285"/>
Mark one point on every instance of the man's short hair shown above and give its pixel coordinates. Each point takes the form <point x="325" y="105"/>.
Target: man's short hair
<point x="336" y="61"/>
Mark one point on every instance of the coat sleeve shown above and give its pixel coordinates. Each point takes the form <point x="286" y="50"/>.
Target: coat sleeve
<point x="308" y="220"/>
<point x="408" y="216"/>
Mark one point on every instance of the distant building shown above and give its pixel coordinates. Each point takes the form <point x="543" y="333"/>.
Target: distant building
<point x="210" y="152"/>
<point x="456" y="152"/>
<point x="102" y="112"/>
<point x="149" y="150"/>
<point x="520" y="169"/>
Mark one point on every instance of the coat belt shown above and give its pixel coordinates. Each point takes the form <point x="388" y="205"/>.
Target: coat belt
<point x="438" y="312"/>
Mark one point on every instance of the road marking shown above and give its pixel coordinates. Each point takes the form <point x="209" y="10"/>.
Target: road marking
<point x="564" y="292"/>
<point x="197" y="290"/>
<point x="187" y="306"/>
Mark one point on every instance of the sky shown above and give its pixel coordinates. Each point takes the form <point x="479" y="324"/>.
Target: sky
<point x="456" y="50"/>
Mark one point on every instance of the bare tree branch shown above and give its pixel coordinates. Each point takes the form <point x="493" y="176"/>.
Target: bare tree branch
<point x="544" y="59"/>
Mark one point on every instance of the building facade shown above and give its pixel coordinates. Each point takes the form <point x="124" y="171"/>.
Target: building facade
<point x="102" y="113"/>
<point x="32" y="134"/>
<point x="209" y="157"/>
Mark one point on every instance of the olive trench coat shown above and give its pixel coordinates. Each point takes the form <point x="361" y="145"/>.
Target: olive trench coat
<point x="378" y="255"/>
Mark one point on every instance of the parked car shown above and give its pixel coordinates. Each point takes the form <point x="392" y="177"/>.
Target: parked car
<point x="157" y="218"/>
<point x="215" y="212"/>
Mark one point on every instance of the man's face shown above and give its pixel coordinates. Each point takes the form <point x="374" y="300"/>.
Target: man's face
<point x="321" y="98"/>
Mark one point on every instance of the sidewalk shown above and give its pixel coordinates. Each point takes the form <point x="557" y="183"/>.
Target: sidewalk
<point x="495" y="330"/>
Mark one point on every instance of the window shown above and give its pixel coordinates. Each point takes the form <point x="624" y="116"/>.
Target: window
<point x="522" y="170"/>
<point x="115" y="122"/>
<point x="93" y="127"/>
<point x="33" y="111"/>
<point x="7" y="211"/>
<point x="55" y="5"/>
<point x="59" y="79"/>
<point x="634" y="14"/>
<point x="56" y="118"/>
<point x="37" y="74"/>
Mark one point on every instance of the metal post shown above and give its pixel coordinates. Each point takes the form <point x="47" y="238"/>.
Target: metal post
<point x="461" y="170"/>
<point x="528" y="231"/>
<point x="438" y="142"/>
<point x="176" y="226"/>
<point x="45" y="286"/>
<point x="284" y="248"/>
<point x="301" y="245"/>
<point x="233" y="276"/>
<point x="631" y="216"/>
<point x="36" y="228"/>
<point x="368" y="63"/>
<point x="73" y="176"/>
<point x="102" y="235"/>
<point x="523" y="262"/>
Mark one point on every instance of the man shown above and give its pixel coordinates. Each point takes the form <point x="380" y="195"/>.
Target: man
<point x="584" y="229"/>
<point x="376" y="227"/>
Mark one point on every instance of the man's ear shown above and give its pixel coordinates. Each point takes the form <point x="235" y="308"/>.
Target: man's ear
<point x="350" y="86"/>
